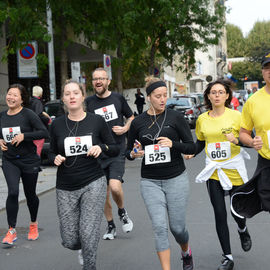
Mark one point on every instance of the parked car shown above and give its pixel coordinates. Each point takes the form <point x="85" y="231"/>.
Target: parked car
<point x="185" y="105"/>
<point x="199" y="100"/>
<point x="53" y="108"/>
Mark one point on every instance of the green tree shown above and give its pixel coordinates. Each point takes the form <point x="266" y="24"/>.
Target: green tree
<point x="235" y="41"/>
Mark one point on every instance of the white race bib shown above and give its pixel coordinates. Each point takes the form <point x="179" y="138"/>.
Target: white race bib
<point x="9" y="133"/>
<point x="75" y="146"/>
<point x="154" y="154"/>
<point x="268" y="137"/>
<point x="109" y="112"/>
<point x="219" y="150"/>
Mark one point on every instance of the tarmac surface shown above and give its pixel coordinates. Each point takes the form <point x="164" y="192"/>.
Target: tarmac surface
<point x="134" y="250"/>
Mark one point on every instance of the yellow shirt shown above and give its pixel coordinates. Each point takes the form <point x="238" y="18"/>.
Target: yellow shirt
<point x="256" y="114"/>
<point x="212" y="130"/>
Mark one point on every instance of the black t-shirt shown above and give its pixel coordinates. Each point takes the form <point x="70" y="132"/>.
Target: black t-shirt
<point x="79" y="170"/>
<point x="26" y="122"/>
<point x="113" y="108"/>
<point x="139" y="99"/>
<point x="175" y="127"/>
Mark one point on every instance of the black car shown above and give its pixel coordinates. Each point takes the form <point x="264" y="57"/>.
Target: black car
<point x="185" y="105"/>
<point x="54" y="109"/>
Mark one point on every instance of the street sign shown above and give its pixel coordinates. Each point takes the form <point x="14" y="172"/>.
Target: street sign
<point x="27" y="62"/>
<point x="107" y="65"/>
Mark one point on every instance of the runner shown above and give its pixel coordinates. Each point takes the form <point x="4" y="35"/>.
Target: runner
<point x="161" y="135"/>
<point x="77" y="139"/>
<point x="254" y="196"/>
<point x="217" y="131"/>
<point x="19" y="127"/>
<point x="113" y="107"/>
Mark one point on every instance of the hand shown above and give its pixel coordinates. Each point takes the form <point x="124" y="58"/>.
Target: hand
<point x="139" y="154"/>
<point x="187" y="157"/>
<point x="17" y="139"/>
<point x="3" y="145"/>
<point x="118" y="130"/>
<point x="230" y="137"/>
<point x="164" y="142"/>
<point x="94" y="151"/>
<point x="59" y="160"/>
<point x="257" y="143"/>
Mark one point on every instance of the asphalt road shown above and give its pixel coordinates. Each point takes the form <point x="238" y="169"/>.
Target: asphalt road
<point x="136" y="250"/>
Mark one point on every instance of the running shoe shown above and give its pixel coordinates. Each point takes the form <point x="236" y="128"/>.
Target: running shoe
<point x="110" y="233"/>
<point x="80" y="257"/>
<point x="33" y="232"/>
<point x="127" y="222"/>
<point x="226" y="264"/>
<point x="10" y="237"/>
<point x="245" y="240"/>
<point x="187" y="262"/>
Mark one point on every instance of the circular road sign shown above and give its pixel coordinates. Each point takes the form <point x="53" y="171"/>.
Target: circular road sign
<point x="28" y="52"/>
<point x="108" y="61"/>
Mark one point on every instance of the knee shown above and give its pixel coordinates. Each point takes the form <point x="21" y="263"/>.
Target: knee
<point x="180" y="234"/>
<point x="73" y="245"/>
<point x="13" y="193"/>
<point x="116" y="189"/>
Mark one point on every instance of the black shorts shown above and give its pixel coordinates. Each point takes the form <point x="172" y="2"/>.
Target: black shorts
<point x="114" y="167"/>
<point x="263" y="187"/>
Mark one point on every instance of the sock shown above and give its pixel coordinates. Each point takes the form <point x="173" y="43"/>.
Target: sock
<point x="229" y="256"/>
<point x="111" y="223"/>
<point x="185" y="253"/>
<point x="242" y="230"/>
<point x="121" y="211"/>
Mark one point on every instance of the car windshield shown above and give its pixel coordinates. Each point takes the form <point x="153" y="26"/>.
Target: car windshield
<point x="178" y="102"/>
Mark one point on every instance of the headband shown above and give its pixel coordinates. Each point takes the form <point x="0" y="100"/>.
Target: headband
<point x="154" y="86"/>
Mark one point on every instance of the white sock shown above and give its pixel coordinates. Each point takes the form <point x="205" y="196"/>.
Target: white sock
<point x="229" y="256"/>
<point x="242" y="230"/>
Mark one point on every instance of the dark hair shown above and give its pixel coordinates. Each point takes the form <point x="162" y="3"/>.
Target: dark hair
<point x="227" y="86"/>
<point x="24" y="94"/>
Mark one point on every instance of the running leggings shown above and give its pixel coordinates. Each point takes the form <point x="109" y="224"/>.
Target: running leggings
<point x="13" y="174"/>
<point x="80" y="213"/>
<point x="217" y="197"/>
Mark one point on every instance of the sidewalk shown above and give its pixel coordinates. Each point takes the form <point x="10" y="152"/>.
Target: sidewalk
<point x="46" y="181"/>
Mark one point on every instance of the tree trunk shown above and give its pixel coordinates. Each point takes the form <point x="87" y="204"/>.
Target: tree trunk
<point x="152" y="59"/>
<point x="119" y="70"/>
<point x="63" y="56"/>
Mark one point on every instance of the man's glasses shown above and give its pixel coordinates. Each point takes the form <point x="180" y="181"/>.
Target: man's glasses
<point x="99" y="79"/>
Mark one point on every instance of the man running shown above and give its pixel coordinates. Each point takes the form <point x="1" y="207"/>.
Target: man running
<point x="113" y="107"/>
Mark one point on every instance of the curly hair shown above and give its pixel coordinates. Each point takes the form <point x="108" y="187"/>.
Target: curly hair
<point x="227" y="86"/>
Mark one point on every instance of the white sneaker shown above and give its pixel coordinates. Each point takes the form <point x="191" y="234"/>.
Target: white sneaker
<point x="127" y="222"/>
<point x="80" y="257"/>
<point x="110" y="233"/>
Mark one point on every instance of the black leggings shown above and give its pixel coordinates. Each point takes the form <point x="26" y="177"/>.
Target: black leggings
<point x="217" y="197"/>
<point x="13" y="174"/>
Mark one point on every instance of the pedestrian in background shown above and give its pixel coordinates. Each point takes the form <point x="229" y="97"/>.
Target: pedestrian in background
<point x="217" y="131"/>
<point x="113" y="108"/>
<point x="139" y="101"/>
<point x="19" y="126"/>
<point x="37" y="106"/>
<point x="160" y="136"/>
<point x="77" y="140"/>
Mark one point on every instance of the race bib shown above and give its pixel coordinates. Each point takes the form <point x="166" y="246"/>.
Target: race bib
<point x="75" y="146"/>
<point x="10" y="133"/>
<point x="268" y="137"/>
<point x="109" y="112"/>
<point x="154" y="154"/>
<point x="219" y="150"/>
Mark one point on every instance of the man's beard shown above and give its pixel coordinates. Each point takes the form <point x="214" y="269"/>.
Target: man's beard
<point x="101" y="92"/>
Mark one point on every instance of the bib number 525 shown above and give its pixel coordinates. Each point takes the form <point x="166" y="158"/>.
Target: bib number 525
<point x="157" y="157"/>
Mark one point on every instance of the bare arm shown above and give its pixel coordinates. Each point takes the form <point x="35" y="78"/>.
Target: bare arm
<point x="245" y="138"/>
<point x="118" y="130"/>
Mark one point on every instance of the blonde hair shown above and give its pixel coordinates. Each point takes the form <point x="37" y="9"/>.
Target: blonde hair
<point x="37" y="91"/>
<point x="151" y="79"/>
<point x="73" y="81"/>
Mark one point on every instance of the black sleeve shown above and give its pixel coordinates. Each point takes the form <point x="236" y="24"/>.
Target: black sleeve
<point x="53" y="152"/>
<point x="132" y="135"/>
<point x="109" y="147"/>
<point x="187" y="145"/>
<point x="127" y="112"/>
<point x="199" y="146"/>
<point x="39" y="132"/>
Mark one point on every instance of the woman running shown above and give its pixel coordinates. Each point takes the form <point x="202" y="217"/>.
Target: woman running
<point x="217" y="131"/>
<point x="161" y="135"/>
<point x="19" y="127"/>
<point x="77" y="140"/>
